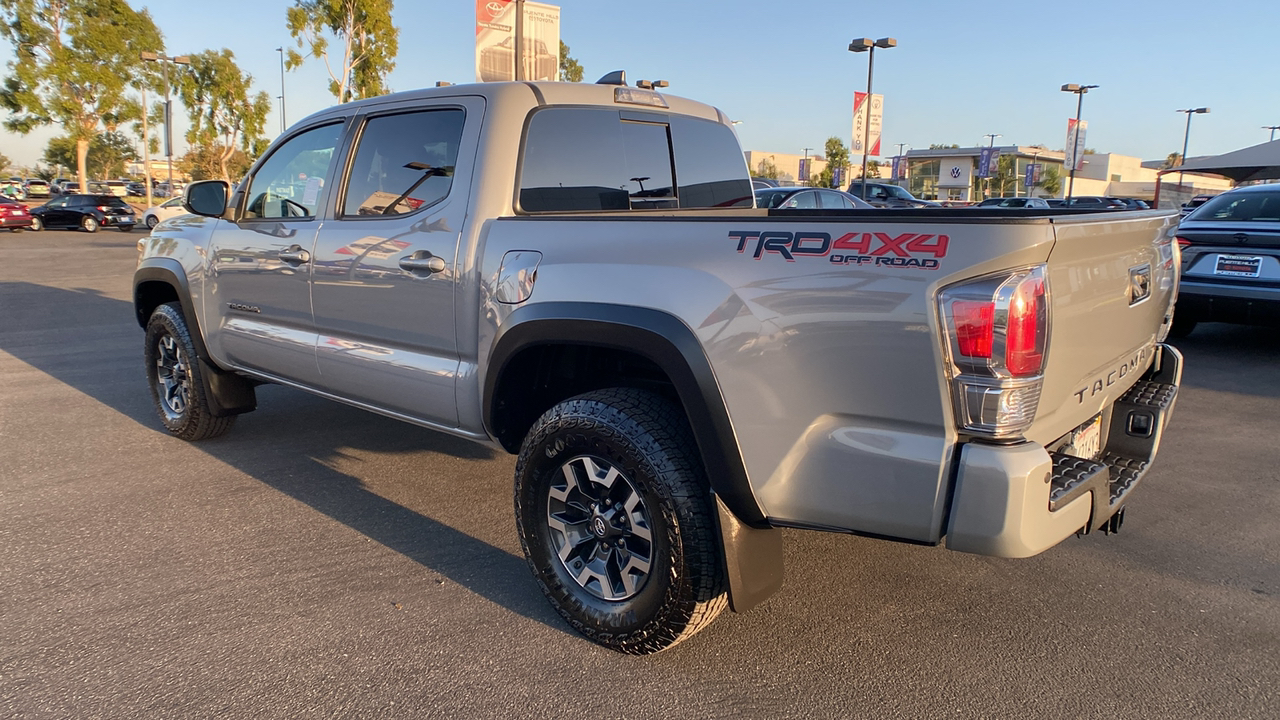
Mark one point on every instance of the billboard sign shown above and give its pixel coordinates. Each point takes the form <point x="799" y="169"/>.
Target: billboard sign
<point x="865" y="113"/>
<point x="496" y="41"/>
<point x="1075" y="144"/>
<point x="1032" y="175"/>
<point x="988" y="162"/>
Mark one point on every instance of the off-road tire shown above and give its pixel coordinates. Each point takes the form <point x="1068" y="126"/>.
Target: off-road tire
<point x="648" y="440"/>
<point x="194" y="420"/>
<point x="89" y="223"/>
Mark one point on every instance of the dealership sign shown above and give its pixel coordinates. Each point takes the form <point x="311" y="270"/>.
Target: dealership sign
<point x="496" y="41"/>
<point x="865" y="114"/>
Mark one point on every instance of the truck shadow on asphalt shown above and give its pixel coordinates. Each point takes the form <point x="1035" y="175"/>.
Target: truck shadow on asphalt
<point x="292" y="443"/>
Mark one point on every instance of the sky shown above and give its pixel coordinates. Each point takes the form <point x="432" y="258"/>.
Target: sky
<point x="960" y="70"/>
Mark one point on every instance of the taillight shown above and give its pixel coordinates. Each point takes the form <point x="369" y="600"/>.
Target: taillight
<point x="997" y="332"/>
<point x="1183" y="242"/>
<point x="104" y="208"/>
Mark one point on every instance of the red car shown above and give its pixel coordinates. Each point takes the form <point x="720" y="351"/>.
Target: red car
<point x="14" y="216"/>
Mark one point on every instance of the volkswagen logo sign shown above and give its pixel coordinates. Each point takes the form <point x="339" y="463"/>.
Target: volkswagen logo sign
<point x="598" y="527"/>
<point x="955" y="172"/>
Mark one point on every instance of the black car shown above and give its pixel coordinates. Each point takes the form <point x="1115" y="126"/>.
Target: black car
<point x="1231" y="260"/>
<point x="888" y="196"/>
<point x="1097" y="203"/>
<point x="1135" y="203"/>
<point x="88" y="212"/>
<point x="805" y="198"/>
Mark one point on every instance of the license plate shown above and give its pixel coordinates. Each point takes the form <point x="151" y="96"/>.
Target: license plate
<point x="1086" y="442"/>
<point x="1238" y="265"/>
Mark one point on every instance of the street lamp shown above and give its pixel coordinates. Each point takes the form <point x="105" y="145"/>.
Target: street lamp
<point x="1186" y="138"/>
<point x="1273" y="129"/>
<point x="869" y="46"/>
<point x="1079" y="90"/>
<point x="991" y="146"/>
<point x="168" y="105"/>
<point x="282" y="120"/>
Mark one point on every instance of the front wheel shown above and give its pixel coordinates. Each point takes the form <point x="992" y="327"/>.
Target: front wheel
<point x="616" y="520"/>
<point x="152" y="221"/>
<point x="89" y="223"/>
<point x="177" y="389"/>
<point x="36" y="223"/>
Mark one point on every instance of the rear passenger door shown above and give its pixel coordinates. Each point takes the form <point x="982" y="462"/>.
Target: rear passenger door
<point x="386" y="271"/>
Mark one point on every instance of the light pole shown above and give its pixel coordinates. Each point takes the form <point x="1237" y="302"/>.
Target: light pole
<point x="902" y="159"/>
<point x="283" y="122"/>
<point x="869" y="46"/>
<point x="1273" y="129"/>
<point x="168" y="105"/>
<point x="1079" y="90"/>
<point x="1186" y="138"/>
<point x="991" y="146"/>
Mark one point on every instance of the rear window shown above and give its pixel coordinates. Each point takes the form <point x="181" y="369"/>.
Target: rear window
<point x="1244" y="207"/>
<point x="110" y="201"/>
<point x="584" y="159"/>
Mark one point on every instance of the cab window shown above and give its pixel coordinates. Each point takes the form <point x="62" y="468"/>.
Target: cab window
<point x="404" y="162"/>
<point x="290" y="184"/>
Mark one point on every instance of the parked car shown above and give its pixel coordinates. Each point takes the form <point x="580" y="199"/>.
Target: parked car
<point x="119" y="188"/>
<point x="36" y="188"/>
<point x="153" y="216"/>
<point x="1135" y="203"/>
<point x="1096" y="202"/>
<point x="763" y="182"/>
<point x="803" y="198"/>
<point x="55" y="187"/>
<point x="70" y="187"/>
<point x="1231" y="260"/>
<point x="14" y="216"/>
<point x="12" y="190"/>
<point x="87" y="212"/>
<point x="1193" y="203"/>
<point x="1014" y="202"/>
<point x="136" y="189"/>
<point x="679" y="383"/>
<point x="1056" y="202"/>
<point x="888" y="196"/>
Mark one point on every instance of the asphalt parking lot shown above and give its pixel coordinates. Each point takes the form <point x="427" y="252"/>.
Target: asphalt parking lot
<point x="320" y="561"/>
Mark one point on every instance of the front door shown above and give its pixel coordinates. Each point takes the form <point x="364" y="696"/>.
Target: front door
<point x="261" y="265"/>
<point x="386" y="269"/>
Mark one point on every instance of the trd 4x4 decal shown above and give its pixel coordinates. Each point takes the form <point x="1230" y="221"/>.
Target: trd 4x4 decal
<point x="877" y="249"/>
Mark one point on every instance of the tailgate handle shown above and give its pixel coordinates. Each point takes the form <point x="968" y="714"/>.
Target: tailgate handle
<point x="422" y="261"/>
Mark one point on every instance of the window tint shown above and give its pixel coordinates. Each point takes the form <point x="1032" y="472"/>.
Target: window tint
<point x="1252" y="207"/>
<point x="404" y="162"/>
<point x="710" y="167"/>
<point x="834" y="201"/>
<point x="600" y="159"/>
<point x="802" y="200"/>
<point x="770" y="198"/>
<point x="290" y="183"/>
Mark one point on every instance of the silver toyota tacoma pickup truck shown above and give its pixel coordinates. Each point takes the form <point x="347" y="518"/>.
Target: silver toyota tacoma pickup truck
<point x="577" y="273"/>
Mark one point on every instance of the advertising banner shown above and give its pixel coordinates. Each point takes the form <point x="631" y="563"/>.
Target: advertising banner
<point x="1032" y="175"/>
<point x="861" y="119"/>
<point x="804" y="169"/>
<point x="988" y="162"/>
<point x="837" y="176"/>
<point x="496" y="41"/>
<point x="1075" y="144"/>
<point x="898" y="167"/>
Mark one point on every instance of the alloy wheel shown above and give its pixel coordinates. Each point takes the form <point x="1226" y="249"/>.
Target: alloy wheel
<point x="173" y="377"/>
<point x="600" y="528"/>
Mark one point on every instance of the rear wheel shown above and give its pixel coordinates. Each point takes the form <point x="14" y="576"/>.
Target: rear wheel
<point x="616" y="520"/>
<point x="174" y="375"/>
<point x="89" y="223"/>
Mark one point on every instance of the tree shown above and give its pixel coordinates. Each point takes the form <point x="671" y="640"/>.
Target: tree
<point x="107" y="154"/>
<point x="211" y="162"/>
<point x="766" y="168"/>
<point x="570" y="70"/>
<point x="4" y="161"/>
<point x="1050" y="180"/>
<point x="223" y="115"/>
<point x="1173" y="160"/>
<point x="361" y="28"/>
<point x="837" y="157"/>
<point x="73" y="61"/>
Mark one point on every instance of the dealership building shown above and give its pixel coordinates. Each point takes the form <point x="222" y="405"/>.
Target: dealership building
<point x="950" y="174"/>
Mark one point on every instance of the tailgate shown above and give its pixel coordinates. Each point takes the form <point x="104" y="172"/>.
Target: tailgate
<point x="1112" y="283"/>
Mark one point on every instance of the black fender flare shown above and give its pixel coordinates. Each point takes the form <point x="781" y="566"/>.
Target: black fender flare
<point x="228" y="393"/>
<point x="752" y="549"/>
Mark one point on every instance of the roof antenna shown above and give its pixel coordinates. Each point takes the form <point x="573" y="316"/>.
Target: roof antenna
<point x="617" y="77"/>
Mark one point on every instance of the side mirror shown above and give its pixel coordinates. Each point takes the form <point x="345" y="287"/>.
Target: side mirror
<point x="207" y="197"/>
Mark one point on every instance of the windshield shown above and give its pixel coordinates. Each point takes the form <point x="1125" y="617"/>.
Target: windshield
<point x="1249" y="207"/>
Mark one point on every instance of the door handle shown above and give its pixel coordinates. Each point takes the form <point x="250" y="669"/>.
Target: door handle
<point x="422" y="261"/>
<point x="295" y="254"/>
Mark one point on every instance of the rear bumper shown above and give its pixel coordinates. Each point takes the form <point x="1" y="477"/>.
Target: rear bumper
<point x="13" y="221"/>
<point x="1020" y="500"/>
<point x="1221" y="302"/>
